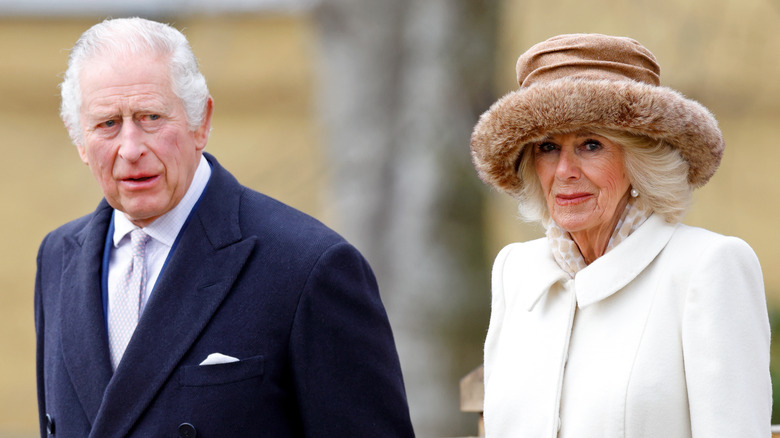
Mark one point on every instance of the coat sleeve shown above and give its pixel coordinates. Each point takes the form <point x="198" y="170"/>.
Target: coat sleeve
<point x="39" y="335"/>
<point x="493" y="404"/>
<point x="344" y="361"/>
<point x="726" y="333"/>
<point x="497" y="309"/>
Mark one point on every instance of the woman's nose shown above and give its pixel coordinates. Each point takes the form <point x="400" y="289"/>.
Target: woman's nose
<point x="568" y="165"/>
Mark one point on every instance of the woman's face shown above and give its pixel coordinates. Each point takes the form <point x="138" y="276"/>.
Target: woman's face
<point x="583" y="179"/>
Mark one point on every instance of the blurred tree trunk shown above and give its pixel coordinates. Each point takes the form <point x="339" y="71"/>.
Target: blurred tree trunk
<point x="403" y="82"/>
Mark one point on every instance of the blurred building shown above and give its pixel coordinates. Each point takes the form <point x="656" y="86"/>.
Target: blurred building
<point x="261" y="60"/>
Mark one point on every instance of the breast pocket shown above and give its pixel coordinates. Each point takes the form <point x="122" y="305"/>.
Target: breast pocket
<point x="206" y="375"/>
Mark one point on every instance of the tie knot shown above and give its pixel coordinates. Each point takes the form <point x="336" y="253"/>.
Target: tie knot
<point x="138" y="239"/>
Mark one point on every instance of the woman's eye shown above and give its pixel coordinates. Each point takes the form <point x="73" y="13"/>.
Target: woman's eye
<point x="592" y="145"/>
<point x="546" y="147"/>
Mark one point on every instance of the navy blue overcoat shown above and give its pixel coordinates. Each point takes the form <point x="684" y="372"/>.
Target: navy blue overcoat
<point x="250" y="278"/>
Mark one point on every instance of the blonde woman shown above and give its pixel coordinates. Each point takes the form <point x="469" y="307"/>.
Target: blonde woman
<point x="621" y="322"/>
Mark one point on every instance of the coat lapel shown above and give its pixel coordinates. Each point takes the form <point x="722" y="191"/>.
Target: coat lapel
<point x="609" y="273"/>
<point x="546" y="273"/>
<point x="199" y="275"/>
<point x="615" y="269"/>
<point x="83" y="333"/>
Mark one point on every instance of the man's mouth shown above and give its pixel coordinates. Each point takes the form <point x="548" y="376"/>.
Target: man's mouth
<point x="139" y="181"/>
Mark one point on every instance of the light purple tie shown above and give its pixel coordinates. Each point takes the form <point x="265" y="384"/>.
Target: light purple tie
<point x="124" y="306"/>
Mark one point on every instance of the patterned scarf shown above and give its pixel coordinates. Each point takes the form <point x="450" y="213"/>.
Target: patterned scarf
<point x="568" y="255"/>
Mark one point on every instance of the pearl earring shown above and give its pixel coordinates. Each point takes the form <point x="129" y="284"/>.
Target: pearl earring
<point x="634" y="193"/>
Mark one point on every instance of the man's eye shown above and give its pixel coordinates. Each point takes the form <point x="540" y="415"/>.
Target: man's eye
<point x="154" y="116"/>
<point x="108" y="123"/>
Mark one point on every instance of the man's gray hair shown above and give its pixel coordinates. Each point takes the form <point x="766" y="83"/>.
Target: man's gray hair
<point x="128" y="37"/>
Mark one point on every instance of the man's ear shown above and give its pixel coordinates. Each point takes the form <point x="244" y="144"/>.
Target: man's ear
<point x="78" y="143"/>
<point x="79" y="146"/>
<point x="202" y="133"/>
<point x="82" y="153"/>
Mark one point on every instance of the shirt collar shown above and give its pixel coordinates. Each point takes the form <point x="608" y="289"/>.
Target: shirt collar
<point x="165" y="228"/>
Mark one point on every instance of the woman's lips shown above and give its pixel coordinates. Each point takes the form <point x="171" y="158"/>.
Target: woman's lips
<point x="566" y="199"/>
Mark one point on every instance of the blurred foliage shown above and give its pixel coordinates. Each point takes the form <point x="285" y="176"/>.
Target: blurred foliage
<point x="774" y="367"/>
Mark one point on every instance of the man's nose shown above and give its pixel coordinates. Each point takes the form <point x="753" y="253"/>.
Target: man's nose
<point x="132" y="145"/>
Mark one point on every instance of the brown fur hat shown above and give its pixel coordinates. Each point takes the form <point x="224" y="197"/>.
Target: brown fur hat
<point x="571" y="82"/>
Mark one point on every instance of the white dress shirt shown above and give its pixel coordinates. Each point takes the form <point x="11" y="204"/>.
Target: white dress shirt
<point x="163" y="232"/>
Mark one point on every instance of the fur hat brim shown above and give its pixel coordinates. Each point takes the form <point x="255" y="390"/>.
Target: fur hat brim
<point x="570" y="104"/>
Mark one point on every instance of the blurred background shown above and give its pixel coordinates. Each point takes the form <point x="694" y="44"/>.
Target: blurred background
<point x="359" y="112"/>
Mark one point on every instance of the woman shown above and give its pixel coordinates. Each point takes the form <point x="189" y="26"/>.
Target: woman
<point x="622" y="322"/>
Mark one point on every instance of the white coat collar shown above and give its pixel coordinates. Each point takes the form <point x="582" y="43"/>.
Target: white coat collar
<point x="610" y="272"/>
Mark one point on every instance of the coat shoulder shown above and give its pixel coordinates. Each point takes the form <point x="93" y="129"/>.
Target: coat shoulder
<point x="280" y="225"/>
<point x="519" y="252"/>
<point x="699" y="243"/>
<point x="73" y="229"/>
<point x="230" y="210"/>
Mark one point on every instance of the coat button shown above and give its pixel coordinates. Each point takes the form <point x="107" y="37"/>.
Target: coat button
<point x="49" y="425"/>
<point x="186" y="430"/>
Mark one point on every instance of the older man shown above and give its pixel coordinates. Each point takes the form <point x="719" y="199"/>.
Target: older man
<point x="186" y="304"/>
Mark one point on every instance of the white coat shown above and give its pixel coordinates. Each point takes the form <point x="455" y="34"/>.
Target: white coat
<point x="665" y="336"/>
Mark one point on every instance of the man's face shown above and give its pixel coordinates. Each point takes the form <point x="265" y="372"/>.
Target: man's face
<point x="136" y="138"/>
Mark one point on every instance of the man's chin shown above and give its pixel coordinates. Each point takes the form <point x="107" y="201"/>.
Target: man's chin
<point x="141" y="218"/>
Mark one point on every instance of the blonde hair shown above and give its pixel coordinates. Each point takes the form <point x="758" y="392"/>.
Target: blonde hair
<point x="655" y="169"/>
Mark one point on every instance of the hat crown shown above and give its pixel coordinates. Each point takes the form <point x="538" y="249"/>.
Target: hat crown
<point x="588" y="56"/>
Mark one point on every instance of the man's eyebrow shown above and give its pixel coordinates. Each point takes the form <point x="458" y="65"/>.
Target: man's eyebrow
<point x="149" y="109"/>
<point x="108" y="113"/>
<point x="98" y="114"/>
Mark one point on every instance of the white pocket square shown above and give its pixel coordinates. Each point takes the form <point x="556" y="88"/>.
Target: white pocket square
<point x="218" y="358"/>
